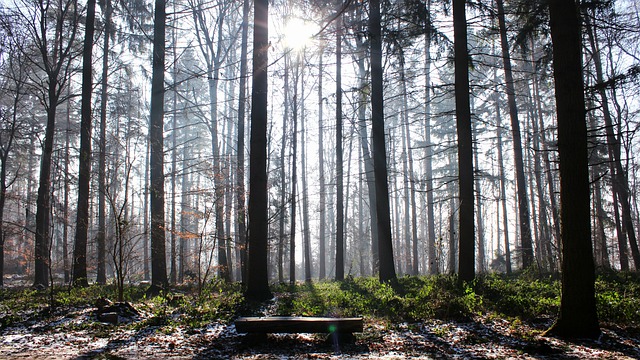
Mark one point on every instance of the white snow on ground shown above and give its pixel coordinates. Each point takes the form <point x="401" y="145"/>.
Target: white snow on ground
<point x="76" y="334"/>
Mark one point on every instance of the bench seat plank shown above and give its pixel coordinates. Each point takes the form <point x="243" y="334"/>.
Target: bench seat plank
<point x="295" y="324"/>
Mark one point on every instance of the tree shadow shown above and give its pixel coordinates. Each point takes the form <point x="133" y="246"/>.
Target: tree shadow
<point x="281" y="345"/>
<point x="113" y="345"/>
<point x="625" y="341"/>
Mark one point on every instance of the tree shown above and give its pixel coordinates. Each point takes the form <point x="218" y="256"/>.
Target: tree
<point x="387" y="272"/>
<point x="283" y="181"/>
<point x="466" y="270"/>
<point x="101" y="276"/>
<point x="323" y="194"/>
<point x="156" y="164"/>
<point x="360" y="55"/>
<point x="79" y="275"/>
<point x="339" y="161"/>
<point x="242" y="99"/>
<point x="428" y="156"/>
<point x="15" y="66"/>
<point x="523" y="208"/>
<point x="306" y="235"/>
<point x="294" y="177"/>
<point x="578" y="316"/>
<point x="214" y="54"/>
<point x="257" y="274"/>
<point x="620" y="184"/>
<point x="503" y="187"/>
<point x="60" y="20"/>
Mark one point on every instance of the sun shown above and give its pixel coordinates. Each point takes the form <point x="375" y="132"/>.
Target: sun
<point x="298" y="33"/>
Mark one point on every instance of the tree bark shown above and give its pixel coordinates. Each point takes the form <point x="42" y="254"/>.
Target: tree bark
<point x="387" y="272"/>
<point x="294" y="182"/>
<point x="158" y="254"/>
<point x="240" y="178"/>
<point x="56" y="63"/>
<point x="428" y="156"/>
<point x="257" y="275"/>
<point x="366" y="154"/>
<point x="305" y="195"/>
<point x="322" y="272"/>
<point x="466" y="263"/>
<point x="283" y="179"/>
<point x="79" y="276"/>
<point x="523" y="208"/>
<point x="101" y="276"/>
<point x="578" y="316"/>
<point x="339" y="161"/>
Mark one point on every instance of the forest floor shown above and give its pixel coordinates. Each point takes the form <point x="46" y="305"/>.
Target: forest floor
<point x="62" y="337"/>
<point x="74" y="332"/>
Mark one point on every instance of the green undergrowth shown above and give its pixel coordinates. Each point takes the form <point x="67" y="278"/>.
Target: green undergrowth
<point x="522" y="297"/>
<point x="618" y="298"/>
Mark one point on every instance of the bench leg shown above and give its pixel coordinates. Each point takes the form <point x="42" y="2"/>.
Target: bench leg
<point x="339" y="339"/>
<point x="252" y="339"/>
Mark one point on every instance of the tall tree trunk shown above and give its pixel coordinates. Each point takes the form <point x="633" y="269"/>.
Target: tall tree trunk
<point x="410" y="184"/>
<point x="547" y="163"/>
<point x="407" y="203"/>
<point x="523" y="208"/>
<point x="503" y="181"/>
<point x="43" y="202"/>
<point x="101" y="276"/>
<point x="67" y="190"/>
<point x="322" y="272"/>
<point x="294" y="181"/>
<point x="578" y="316"/>
<point x="283" y="180"/>
<point x="466" y="265"/>
<point x="145" y="233"/>
<point x="174" y="158"/>
<point x="387" y="272"/>
<point x="223" y="264"/>
<point x="428" y="156"/>
<point x="240" y="186"/>
<point x="230" y="173"/>
<point x="185" y="214"/>
<point x="366" y="155"/>
<point x="544" y="237"/>
<point x="601" y="254"/>
<point x="362" y="243"/>
<point x="533" y="222"/>
<point x="305" y="195"/>
<point x="158" y="253"/>
<point x="481" y="260"/>
<point x="173" y="231"/>
<point x="339" y="161"/>
<point x="257" y="275"/>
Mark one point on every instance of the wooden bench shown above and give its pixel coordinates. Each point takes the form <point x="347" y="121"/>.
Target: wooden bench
<point x="297" y="324"/>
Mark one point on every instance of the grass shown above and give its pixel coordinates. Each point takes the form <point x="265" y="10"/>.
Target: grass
<point x="415" y="299"/>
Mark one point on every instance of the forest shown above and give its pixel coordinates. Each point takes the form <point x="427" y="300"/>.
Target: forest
<point x="458" y="173"/>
